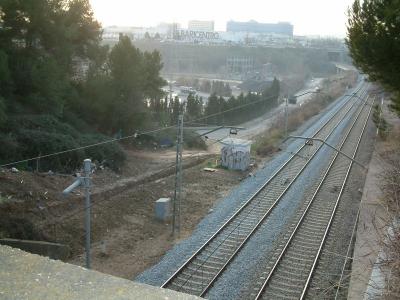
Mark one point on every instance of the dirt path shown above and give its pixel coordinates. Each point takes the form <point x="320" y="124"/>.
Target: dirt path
<point x="259" y="125"/>
<point x="125" y="235"/>
<point x="372" y="225"/>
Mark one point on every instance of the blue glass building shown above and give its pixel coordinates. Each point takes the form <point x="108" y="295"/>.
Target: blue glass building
<point x="283" y="28"/>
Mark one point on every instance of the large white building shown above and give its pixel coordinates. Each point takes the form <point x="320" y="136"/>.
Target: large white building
<point x="196" y="25"/>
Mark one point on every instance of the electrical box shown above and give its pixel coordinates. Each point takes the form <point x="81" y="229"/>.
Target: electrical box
<point x="163" y="209"/>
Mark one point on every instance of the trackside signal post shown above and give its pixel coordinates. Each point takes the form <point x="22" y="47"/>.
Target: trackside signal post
<point x="286" y="115"/>
<point x="176" y="216"/>
<point x="85" y="181"/>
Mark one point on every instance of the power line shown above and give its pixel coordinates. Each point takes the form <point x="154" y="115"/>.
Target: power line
<point x="99" y="202"/>
<point x="87" y="146"/>
<point x="230" y="109"/>
<point x="135" y="135"/>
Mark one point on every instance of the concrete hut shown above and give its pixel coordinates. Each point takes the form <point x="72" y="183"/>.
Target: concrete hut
<point x="235" y="153"/>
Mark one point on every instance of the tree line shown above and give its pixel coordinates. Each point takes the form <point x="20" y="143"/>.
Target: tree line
<point x="217" y="110"/>
<point x="207" y="86"/>
<point x="373" y="40"/>
<point x="60" y="88"/>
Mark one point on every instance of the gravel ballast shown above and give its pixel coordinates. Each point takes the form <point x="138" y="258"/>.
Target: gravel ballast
<point x="241" y="268"/>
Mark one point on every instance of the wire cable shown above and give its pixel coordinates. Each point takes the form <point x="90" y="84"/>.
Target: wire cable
<point x="86" y="146"/>
<point x="230" y="109"/>
<point x="99" y="203"/>
<point x="135" y="135"/>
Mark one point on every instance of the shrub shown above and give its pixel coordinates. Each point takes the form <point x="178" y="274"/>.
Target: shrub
<point x="44" y="134"/>
<point x="110" y="154"/>
<point x="193" y="141"/>
<point x="33" y="143"/>
<point x="9" y="148"/>
<point x="46" y="123"/>
<point x="268" y="143"/>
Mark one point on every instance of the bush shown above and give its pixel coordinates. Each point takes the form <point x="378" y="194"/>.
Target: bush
<point x="193" y="141"/>
<point x="110" y="154"/>
<point x="46" y="123"/>
<point x="43" y="134"/>
<point x="33" y="143"/>
<point x="9" y="148"/>
<point x="268" y="143"/>
<point x="381" y="124"/>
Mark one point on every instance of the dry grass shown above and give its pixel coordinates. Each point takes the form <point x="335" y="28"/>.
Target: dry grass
<point x="269" y="141"/>
<point x="390" y="185"/>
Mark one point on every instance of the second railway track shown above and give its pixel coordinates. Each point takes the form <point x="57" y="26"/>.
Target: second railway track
<point x="198" y="274"/>
<point x="288" y="272"/>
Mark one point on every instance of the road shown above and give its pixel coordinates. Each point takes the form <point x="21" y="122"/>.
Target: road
<point x="259" y="125"/>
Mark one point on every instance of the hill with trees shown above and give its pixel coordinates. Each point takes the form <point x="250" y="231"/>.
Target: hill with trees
<point x="374" y="44"/>
<point x="61" y="89"/>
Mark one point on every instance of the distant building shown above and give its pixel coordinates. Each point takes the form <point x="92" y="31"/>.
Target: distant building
<point x="239" y="64"/>
<point x="162" y="30"/>
<point x="196" y="25"/>
<point x="282" y="28"/>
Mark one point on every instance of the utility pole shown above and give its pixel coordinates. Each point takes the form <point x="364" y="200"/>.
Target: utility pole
<point x="380" y="117"/>
<point x="85" y="181"/>
<point x="170" y="93"/>
<point x="87" y="165"/>
<point x="286" y="116"/>
<point x="176" y="217"/>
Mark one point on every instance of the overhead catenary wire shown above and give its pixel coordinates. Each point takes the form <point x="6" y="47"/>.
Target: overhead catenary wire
<point x="86" y="146"/>
<point x="135" y="135"/>
<point x="230" y="109"/>
<point x="164" y="169"/>
<point x="99" y="202"/>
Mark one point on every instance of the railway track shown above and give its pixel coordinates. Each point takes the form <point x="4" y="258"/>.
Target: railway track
<point x="290" y="269"/>
<point x="201" y="270"/>
<point x="331" y="277"/>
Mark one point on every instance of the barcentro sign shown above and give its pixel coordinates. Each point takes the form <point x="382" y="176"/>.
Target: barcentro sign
<point x="193" y="35"/>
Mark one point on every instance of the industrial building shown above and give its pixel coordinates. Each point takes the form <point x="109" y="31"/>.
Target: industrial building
<point x="282" y="28"/>
<point x="195" y="25"/>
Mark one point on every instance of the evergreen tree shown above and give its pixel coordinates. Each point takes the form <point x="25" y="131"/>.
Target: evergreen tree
<point x="176" y="109"/>
<point x="153" y="82"/>
<point x="373" y="39"/>
<point x="212" y="108"/>
<point x="192" y="108"/>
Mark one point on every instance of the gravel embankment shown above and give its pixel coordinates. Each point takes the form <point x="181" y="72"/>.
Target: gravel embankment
<point x="240" y="270"/>
<point x="238" y="275"/>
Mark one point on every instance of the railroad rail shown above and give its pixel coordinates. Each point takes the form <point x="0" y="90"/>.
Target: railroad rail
<point x="291" y="267"/>
<point x="202" y="269"/>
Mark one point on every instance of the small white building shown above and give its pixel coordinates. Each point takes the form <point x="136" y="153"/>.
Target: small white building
<point x="235" y="154"/>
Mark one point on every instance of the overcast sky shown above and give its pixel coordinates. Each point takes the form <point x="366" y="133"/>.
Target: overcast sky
<point x="309" y="17"/>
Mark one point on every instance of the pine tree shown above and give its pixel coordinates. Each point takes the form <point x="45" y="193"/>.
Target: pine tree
<point x="373" y="40"/>
<point x="192" y="106"/>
